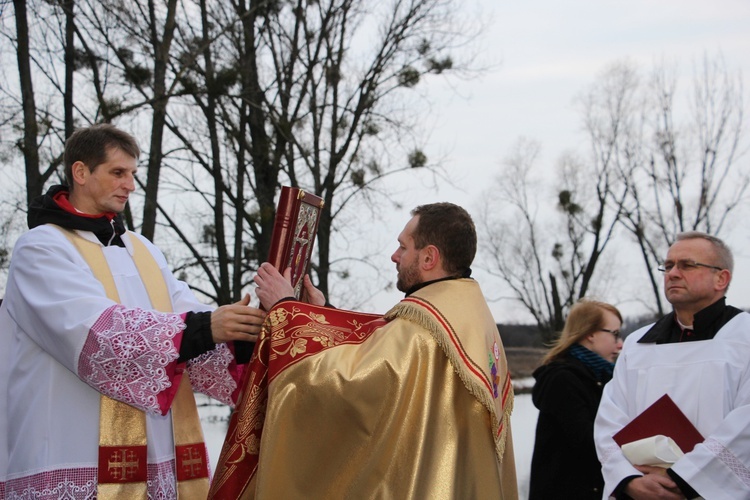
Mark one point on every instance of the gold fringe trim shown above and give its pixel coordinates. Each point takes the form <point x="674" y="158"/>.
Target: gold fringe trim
<point x="417" y="315"/>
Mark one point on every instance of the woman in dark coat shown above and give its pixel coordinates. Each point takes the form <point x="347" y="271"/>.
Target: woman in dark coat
<point x="567" y="391"/>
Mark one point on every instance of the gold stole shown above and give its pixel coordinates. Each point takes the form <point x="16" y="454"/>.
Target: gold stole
<point x="122" y="471"/>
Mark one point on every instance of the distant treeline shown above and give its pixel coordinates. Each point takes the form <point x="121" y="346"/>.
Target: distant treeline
<point x="515" y="335"/>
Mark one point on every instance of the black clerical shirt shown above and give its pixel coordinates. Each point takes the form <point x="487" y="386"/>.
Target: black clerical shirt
<point x="706" y="323"/>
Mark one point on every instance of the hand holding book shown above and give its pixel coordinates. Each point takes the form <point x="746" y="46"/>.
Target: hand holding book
<point x="273" y="286"/>
<point x="294" y="231"/>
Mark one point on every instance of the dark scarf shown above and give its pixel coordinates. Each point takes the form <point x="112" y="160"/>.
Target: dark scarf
<point x="601" y="367"/>
<point x="54" y="208"/>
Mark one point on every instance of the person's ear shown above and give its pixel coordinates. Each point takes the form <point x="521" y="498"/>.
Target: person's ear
<point x="723" y="278"/>
<point x="430" y="257"/>
<point x="80" y="172"/>
<point x="589" y="338"/>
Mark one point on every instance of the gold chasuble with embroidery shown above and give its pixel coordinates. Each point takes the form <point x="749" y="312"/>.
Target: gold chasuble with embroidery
<point x="338" y="404"/>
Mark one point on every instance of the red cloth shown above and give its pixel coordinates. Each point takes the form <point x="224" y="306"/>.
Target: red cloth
<point x="238" y="461"/>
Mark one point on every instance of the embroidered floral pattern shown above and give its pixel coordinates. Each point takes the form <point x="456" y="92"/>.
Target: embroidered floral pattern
<point x="288" y="336"/>
<point x="319" y="318"/>
<point x="66" y="483"/>
<point x="493" y="374"/>
<point x="80" y="484"/>
<point x="209" y="374"/>
<point x="730" y="460"/>
<point x="311" y="331"/>
<point x="299" y="346"/>
<point x="277" y="316"/>
<point x="161" y="481"/>
<point x="126" y="354"/>
<point x="324" y="341"/>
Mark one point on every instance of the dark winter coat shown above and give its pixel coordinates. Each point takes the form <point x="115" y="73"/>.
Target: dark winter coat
<point x="564" y="464"/>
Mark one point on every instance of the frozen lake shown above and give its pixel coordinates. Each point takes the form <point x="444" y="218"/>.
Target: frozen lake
<point x="214" y="417"/>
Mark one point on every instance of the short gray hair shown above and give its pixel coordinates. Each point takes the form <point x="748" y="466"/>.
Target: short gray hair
<point x="723" y="252"/>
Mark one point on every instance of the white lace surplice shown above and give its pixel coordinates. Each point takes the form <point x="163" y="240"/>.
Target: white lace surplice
<point x="68" y="342"/>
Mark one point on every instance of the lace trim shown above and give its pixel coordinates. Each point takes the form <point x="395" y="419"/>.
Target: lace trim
<point x="161" y="481"/>
<point x="609" y="452"/>
<point x="80" y="484"/>
<point x="209" y="373"/>
<point x="729" y="459"/>
<point x="126" y="354"/>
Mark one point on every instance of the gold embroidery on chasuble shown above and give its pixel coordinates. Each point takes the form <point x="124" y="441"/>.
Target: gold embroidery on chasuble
<point x="296" y="333"/>
<point x="291" y="332"/>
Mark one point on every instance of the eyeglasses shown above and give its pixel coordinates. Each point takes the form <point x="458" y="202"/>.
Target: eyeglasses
<point x="685" y="265"/>
<point x="616" y="333"/>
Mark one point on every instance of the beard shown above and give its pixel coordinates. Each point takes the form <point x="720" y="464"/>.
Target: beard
<point x="408" y="276"/>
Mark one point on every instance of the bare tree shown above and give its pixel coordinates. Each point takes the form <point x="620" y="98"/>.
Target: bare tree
<point x="652" y="168"/>
<point x="351" y="99"/>
<point x="230" y="100"/>
<point x="549" y="269"/>
<point x="516" y="247"/>
<point x="335" y="101"/>
<point x="687" y="176"/>
<point x="302" y="99"/>
<point x="138" y="35"/>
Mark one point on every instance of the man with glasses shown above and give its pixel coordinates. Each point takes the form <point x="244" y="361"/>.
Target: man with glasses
<point x="699" y="354"/>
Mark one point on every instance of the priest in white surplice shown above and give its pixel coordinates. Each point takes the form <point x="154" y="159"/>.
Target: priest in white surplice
<point x="102" y="346"/>
<point x="700" y="356"/>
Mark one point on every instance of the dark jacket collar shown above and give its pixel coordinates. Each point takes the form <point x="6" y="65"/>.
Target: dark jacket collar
<point x="706" y="324"/>
<point x="54" y="208"/>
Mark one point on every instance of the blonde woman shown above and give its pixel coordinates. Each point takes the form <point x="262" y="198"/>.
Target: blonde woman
<point x="567" y="391"/>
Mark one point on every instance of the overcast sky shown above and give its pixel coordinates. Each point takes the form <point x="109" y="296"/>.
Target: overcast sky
<point x="548" y="51"/>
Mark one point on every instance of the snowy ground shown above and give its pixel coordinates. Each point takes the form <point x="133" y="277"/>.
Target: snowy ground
<point x="215" y="419"/>
<point x="523" y="425"/>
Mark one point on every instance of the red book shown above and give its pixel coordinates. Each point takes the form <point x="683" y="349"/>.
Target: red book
<point x="294" y="230"/>
<point x="663" y="417"/>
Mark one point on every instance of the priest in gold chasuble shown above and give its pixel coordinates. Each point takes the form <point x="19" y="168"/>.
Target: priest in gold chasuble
<point x="412" y="404"/>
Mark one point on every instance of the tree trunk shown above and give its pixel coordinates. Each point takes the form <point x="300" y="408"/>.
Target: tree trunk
<point x="29" y="147"/>
<point x="160" y="101"/>
<point x="224" y="293"/>
<point x="68" y="7"/>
